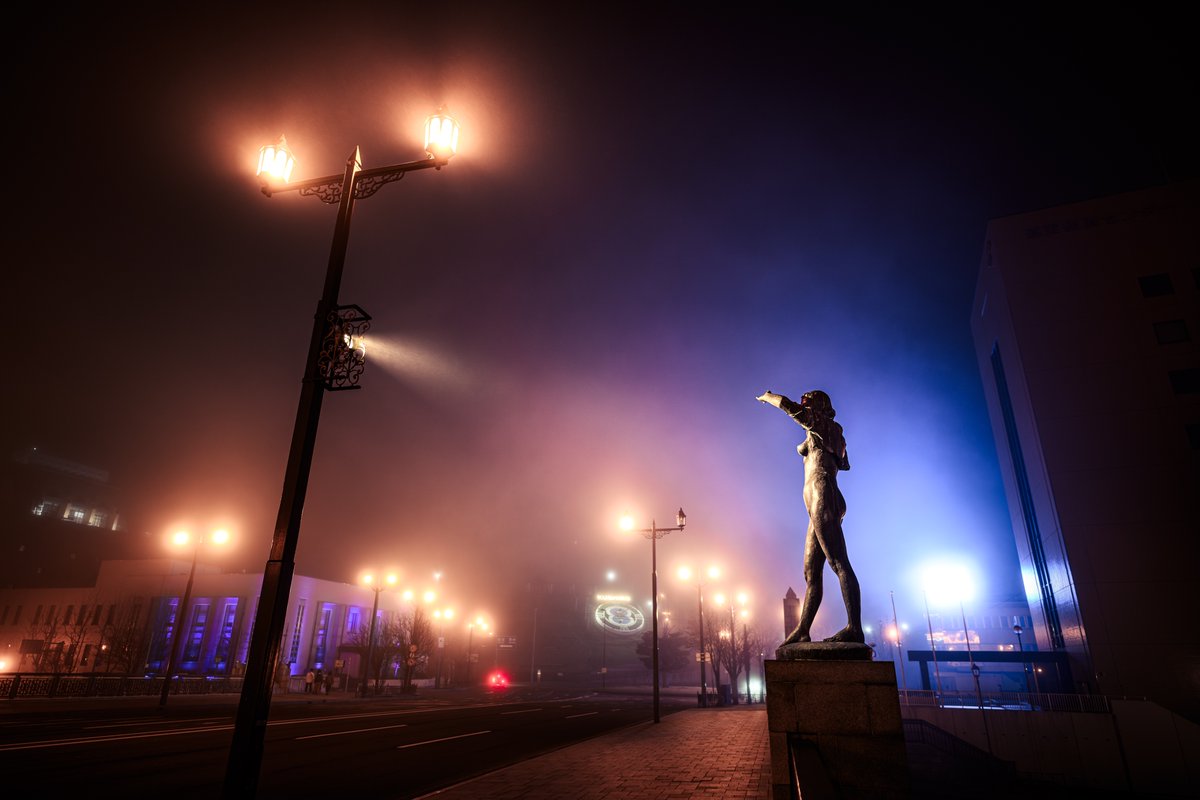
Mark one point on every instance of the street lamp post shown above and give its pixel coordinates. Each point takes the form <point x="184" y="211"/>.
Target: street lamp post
<point x="369" y="580"/>
<point x="654" y="533"/>
<point x="685" y="573"/>
<point x="181" y="538"/>
<point x="470" y="642"/>
<point x="899" y="647"/>
<point x="1024" y="667"/>
<point x="334" y="361"/>
<point x="937" y="673"/>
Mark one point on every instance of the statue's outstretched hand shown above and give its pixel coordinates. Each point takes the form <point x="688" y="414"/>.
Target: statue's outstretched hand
<point x="770" y="398"/>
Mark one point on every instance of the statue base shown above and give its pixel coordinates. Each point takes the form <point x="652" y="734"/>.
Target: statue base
<point x="825" y="651"/>
<point x="835" y="726"/>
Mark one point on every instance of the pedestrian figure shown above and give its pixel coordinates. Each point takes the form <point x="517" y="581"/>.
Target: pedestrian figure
<point x="328" y="681"/>
<point x="309" y="678"/>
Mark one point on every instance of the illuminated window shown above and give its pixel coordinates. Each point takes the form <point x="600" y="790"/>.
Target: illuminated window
<point x="164" y="635"/>
<point x="225" y="643"/>
<point x="196" y="633"/>
<point x="98" y="519"/>
<point x="294" y="652"/>
<point x="75" y="514"/>
<point x="353" y="617"/>
<point x="322" y="636"/>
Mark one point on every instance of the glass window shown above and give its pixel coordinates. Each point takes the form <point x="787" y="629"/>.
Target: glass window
<point x="196" y="632"/>
<point x="1156" y="285"/>
<point x="96" y="614"/>
<point x="1185" y="381"/>
<point x="322" y="636"/>
<point x="225" y="643"/>
<point x="37" y="615"/>
<point x="294" y="651"/>
<point x="1171" y="331"/>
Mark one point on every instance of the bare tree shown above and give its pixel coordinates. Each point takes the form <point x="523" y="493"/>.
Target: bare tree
<point x="123" y="637"/>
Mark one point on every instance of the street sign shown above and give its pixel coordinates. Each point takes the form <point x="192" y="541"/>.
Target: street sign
<point x="506" y="641"/>
<point x="442" y="642"/>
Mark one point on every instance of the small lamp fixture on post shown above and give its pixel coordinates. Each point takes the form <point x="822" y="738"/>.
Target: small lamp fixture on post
<point x="334" y="361"/>
<point x="654" y="533"/>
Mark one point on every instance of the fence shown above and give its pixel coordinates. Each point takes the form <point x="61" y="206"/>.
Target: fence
<point x="16" y="686"/>
<point x="1008" y="701"/>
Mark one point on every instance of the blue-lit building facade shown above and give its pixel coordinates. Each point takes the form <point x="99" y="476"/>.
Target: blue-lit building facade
<point x="127" y="621"/>
<point x="1085" y="321"/>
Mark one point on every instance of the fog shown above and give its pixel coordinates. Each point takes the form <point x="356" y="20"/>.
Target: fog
<point x="654" y="216"/>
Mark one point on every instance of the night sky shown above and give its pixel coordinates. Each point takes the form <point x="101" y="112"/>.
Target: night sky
<point x="657" y="212"/>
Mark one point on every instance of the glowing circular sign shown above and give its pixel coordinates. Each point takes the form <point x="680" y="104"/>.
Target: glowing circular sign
<point x="620" y="617"/>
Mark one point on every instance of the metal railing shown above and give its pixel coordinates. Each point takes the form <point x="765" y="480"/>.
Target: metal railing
<point x="1008" y="701"/>
<point x="17" y="685"/>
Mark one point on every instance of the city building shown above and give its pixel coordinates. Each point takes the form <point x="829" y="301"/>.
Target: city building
<point x="1085" y="321"/>
<point x="125" y="623"/>
<point x="58" y="520"/>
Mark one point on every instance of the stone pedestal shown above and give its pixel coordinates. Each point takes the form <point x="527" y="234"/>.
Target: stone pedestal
<point x="839" y="720"/>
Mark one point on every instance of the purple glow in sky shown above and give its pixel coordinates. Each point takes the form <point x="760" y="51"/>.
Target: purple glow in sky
<point x="655" y="215"/>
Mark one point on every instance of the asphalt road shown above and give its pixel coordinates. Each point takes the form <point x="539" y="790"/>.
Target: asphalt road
<point x="392" y="748"/>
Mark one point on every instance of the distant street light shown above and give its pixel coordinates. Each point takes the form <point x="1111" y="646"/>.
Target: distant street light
<point x="654" y="533"/>
<point x="471" y="626"/>
<point x="685" y="573"/>
<point x="334" y="362"/>
<point x="369" y="581"/>
<point x="182" y="539"/>
<point x="441" y="615"/>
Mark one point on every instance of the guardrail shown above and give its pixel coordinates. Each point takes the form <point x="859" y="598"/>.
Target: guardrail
<point x="15" y="686"/>
<point x="1008" y="701"/>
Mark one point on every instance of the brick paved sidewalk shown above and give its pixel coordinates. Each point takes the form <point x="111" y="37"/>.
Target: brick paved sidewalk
<point x="700" y="752"/>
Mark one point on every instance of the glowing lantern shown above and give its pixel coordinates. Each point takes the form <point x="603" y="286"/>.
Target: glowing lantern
<point x="441" y="135"/>
<point x="275" y="161"/>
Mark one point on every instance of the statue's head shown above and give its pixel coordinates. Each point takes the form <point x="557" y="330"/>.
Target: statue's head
<point x="819" y="402"/>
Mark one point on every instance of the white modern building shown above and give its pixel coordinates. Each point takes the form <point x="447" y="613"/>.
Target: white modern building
<point x="1086" y="323"/>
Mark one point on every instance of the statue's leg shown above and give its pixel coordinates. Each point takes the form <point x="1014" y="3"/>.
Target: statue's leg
<point x="834" y="541"/>
<point x="814" y="574"/>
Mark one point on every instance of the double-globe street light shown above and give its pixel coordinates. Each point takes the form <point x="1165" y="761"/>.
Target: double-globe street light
<point x="182" y="539"/>
<point x="369" y="581"/>
<point x="334" y="361"/>
<point x="685" y="574"/>
<point x="654" y="533"/>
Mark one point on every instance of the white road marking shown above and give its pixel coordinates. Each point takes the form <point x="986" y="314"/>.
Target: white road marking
<point x="588" y="714"/>
<point x="356" y="730"/>
<point x="526" y="711"/>
<point x="443" y="739"/>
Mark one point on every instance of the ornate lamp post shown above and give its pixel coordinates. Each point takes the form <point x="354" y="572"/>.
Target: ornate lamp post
<point x="654" y="533"/>
<point x="685" y="573"/>
<point x="181" y="539"/>
<point x="334" y="361"/>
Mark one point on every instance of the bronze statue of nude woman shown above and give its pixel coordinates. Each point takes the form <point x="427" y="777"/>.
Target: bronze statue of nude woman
<point x="824" y="452"/>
